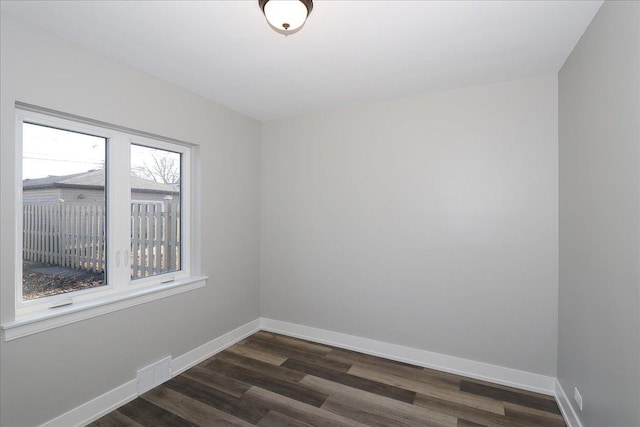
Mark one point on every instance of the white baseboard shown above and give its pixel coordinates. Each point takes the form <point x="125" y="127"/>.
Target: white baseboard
<point x="202" y="353"/>
<point x="455" y="365"/>
<point x="113" y="399"/>
<point x="568" y="412"/>
<point x="95" y="408"/>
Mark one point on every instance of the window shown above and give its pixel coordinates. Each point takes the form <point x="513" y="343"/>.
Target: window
<point x="104" y="212"/>
<point x="63" y="211"/>
<point x="155" y="213"/>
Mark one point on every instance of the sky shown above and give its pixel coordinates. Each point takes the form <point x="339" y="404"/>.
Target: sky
<point x="48" y="151"/>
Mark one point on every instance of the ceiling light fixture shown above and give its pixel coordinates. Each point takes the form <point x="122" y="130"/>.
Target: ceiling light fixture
<point x="286" y="16"/>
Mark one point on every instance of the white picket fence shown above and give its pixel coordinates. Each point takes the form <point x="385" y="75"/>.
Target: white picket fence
<point x="72" y="235"/>
<point x="155" y="238"/>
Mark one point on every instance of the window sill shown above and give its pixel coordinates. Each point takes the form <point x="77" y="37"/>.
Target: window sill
<point x="33" y="323"/>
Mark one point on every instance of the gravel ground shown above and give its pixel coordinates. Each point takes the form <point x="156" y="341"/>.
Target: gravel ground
<point x="38" y="285"/>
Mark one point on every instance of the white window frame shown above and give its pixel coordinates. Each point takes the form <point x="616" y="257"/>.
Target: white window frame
<point x="120" y="291"/>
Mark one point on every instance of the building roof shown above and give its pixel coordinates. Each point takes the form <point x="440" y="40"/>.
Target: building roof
<point x="95" y="179"/>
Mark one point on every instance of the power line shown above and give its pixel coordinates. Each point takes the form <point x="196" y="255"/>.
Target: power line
<point x="62" y="160"/>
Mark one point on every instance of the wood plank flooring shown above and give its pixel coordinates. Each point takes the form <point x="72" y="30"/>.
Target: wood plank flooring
<point x="274" y="380"/>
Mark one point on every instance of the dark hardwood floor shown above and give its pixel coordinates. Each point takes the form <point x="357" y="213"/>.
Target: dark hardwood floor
<point x="274" y="380"/>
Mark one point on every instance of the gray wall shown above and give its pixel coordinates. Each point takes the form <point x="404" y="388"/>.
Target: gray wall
<point x="45" y="195"/>
<point x="76" y="195"/>
<point x="49" y="373"/>
<point x="429" y="222"/>
<point x="599" y="314"/>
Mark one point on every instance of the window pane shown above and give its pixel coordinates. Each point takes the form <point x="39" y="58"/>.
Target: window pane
<point x="155" y="211"/>
<point x="64" y="219"/>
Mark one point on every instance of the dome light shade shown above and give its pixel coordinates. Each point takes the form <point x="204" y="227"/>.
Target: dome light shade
<point x="286" y="16"/>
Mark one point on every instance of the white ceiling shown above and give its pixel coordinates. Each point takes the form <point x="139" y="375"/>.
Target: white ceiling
<point x="349" y="52"/>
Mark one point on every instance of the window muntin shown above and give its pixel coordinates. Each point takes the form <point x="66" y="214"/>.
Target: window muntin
<point x="118" y="236"/>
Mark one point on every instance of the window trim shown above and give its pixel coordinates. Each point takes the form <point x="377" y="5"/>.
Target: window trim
<point x="39" y="321"/>
<point x="41" y="304"/>
<point x="36" y="315"/>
